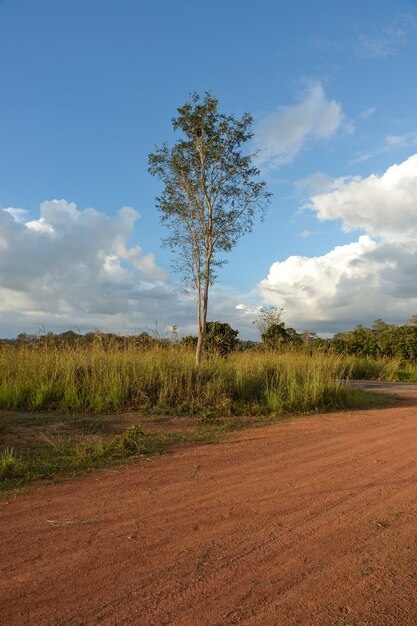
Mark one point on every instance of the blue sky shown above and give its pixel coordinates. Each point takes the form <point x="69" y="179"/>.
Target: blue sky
<point x="89" y="87"/>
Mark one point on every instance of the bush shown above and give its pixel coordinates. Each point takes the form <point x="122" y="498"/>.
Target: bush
<point x="220" y="338"/>
<point x="275" y="337"/>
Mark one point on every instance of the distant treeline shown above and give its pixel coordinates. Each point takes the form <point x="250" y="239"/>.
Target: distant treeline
<point x="71" y="338"/>
<point x="380" y="340"/>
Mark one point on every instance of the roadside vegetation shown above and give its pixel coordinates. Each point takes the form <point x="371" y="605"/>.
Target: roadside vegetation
<point x="162" y="379"/>
<point x="73" y="403"/>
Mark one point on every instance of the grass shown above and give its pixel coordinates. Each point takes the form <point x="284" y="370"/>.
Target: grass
<point x="54" y="448"/>
<point x="8" y="463"/>
<point x="54" y="400"/>
<point x="382" y="369"/>
<point x="52" y="456"/>
<point x="164" y="381"/>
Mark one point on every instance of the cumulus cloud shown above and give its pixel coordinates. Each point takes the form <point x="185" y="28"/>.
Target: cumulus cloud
<point x="75" y="268"/>
<point x="367" y="279"/>
<point x="355" y="283"/>
<point x="301" y="279"/>
<point x="281" y="135"/>
<point x="382" y="205"/>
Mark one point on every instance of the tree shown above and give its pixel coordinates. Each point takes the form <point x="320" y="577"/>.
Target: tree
<point x="294" y="337"/>
<point x="379" y="326"/>
<point x="275" y="336"/>
<point x="211" y="193"/>
<point x="308" y="339"/>
<point x="220" y="338"/>
<point x="360" y="341"/>
<point x="268" y="316"/>
<point x="400" y="341"/>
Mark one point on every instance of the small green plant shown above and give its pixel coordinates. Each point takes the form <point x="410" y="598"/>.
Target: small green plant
<point x="87" y="453"/>
<point x="132" y="439"/>
<point x="8" y="463"/>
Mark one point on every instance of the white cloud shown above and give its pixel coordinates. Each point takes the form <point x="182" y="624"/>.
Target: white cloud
<point x="367" y="113"/>
<point x="382" y="205"/>
<point x="385" y="42"/>
<point x="359" y="282"/>
<point x="41" y="225"/>
<point x="281" y="135"/>
<point x="304" y="234"/>
<point x="388" y="144"/>
<point x="351" y="284"/>
<point x="20" y="215"/>
<point x="311" y="283"/>
<point x="314" y="183"/>
<point x="74" y="268"/>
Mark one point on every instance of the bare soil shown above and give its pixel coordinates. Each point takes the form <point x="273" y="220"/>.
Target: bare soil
<point x="310" y="521"/>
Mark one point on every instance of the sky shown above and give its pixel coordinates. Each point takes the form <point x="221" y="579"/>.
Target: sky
<point x="89" y="87"/>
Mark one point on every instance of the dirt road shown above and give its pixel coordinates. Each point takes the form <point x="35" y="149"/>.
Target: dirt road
<point x="311" y="521"/>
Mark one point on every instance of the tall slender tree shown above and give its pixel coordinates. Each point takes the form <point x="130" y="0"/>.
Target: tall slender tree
<point x="211" y="193"/>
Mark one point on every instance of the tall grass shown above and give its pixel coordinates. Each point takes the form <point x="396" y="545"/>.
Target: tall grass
<point x="382" y="368"/>
<point x="163" y="380"/>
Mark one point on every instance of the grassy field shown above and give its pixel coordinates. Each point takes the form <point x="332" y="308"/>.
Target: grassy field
<point x="67" y="410"/>
<point x="164" y="381"/>
<point x="369" y="368"/>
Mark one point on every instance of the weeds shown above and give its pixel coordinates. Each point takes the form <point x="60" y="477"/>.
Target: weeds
<point x="55" y="456"/>
<point x="164" y="381"/>
<point x="8" y="463"/>
<point x="382" y="368"/>
<point x="132" y="439"/>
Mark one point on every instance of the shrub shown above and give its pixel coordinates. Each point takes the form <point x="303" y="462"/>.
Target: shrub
<point x="220" y="338"/>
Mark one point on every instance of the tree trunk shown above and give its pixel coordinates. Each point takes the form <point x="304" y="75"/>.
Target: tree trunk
<point x="199" y="350"/>
<point x="202" y="320"/>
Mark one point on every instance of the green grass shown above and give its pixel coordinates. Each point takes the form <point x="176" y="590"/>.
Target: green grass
<point x="382" y="369"/>
<point x="8" y="463"/>
<point x="52" y="454"/>
<point x="164" y="381"/>
<point x="53" y="425"/>
<point x="53" y="457"/>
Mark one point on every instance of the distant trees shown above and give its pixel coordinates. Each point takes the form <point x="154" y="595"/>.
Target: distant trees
<point x="275" y="337"/>
<point x="400" y="341"/>
<point x="71" y="339"/>
<point x="219" y="339"/>
<point x="274" y="334"/>
<point x="381" y="339"/>
<point x="360" y="341"/>
<point x="269" y="316"/>
<point x="379" y="326"/>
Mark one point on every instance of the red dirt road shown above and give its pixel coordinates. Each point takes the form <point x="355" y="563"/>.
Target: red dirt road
<point x="311" y="521"/>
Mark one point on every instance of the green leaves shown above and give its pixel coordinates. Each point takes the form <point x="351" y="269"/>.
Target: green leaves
<point x="211" y="192"/>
